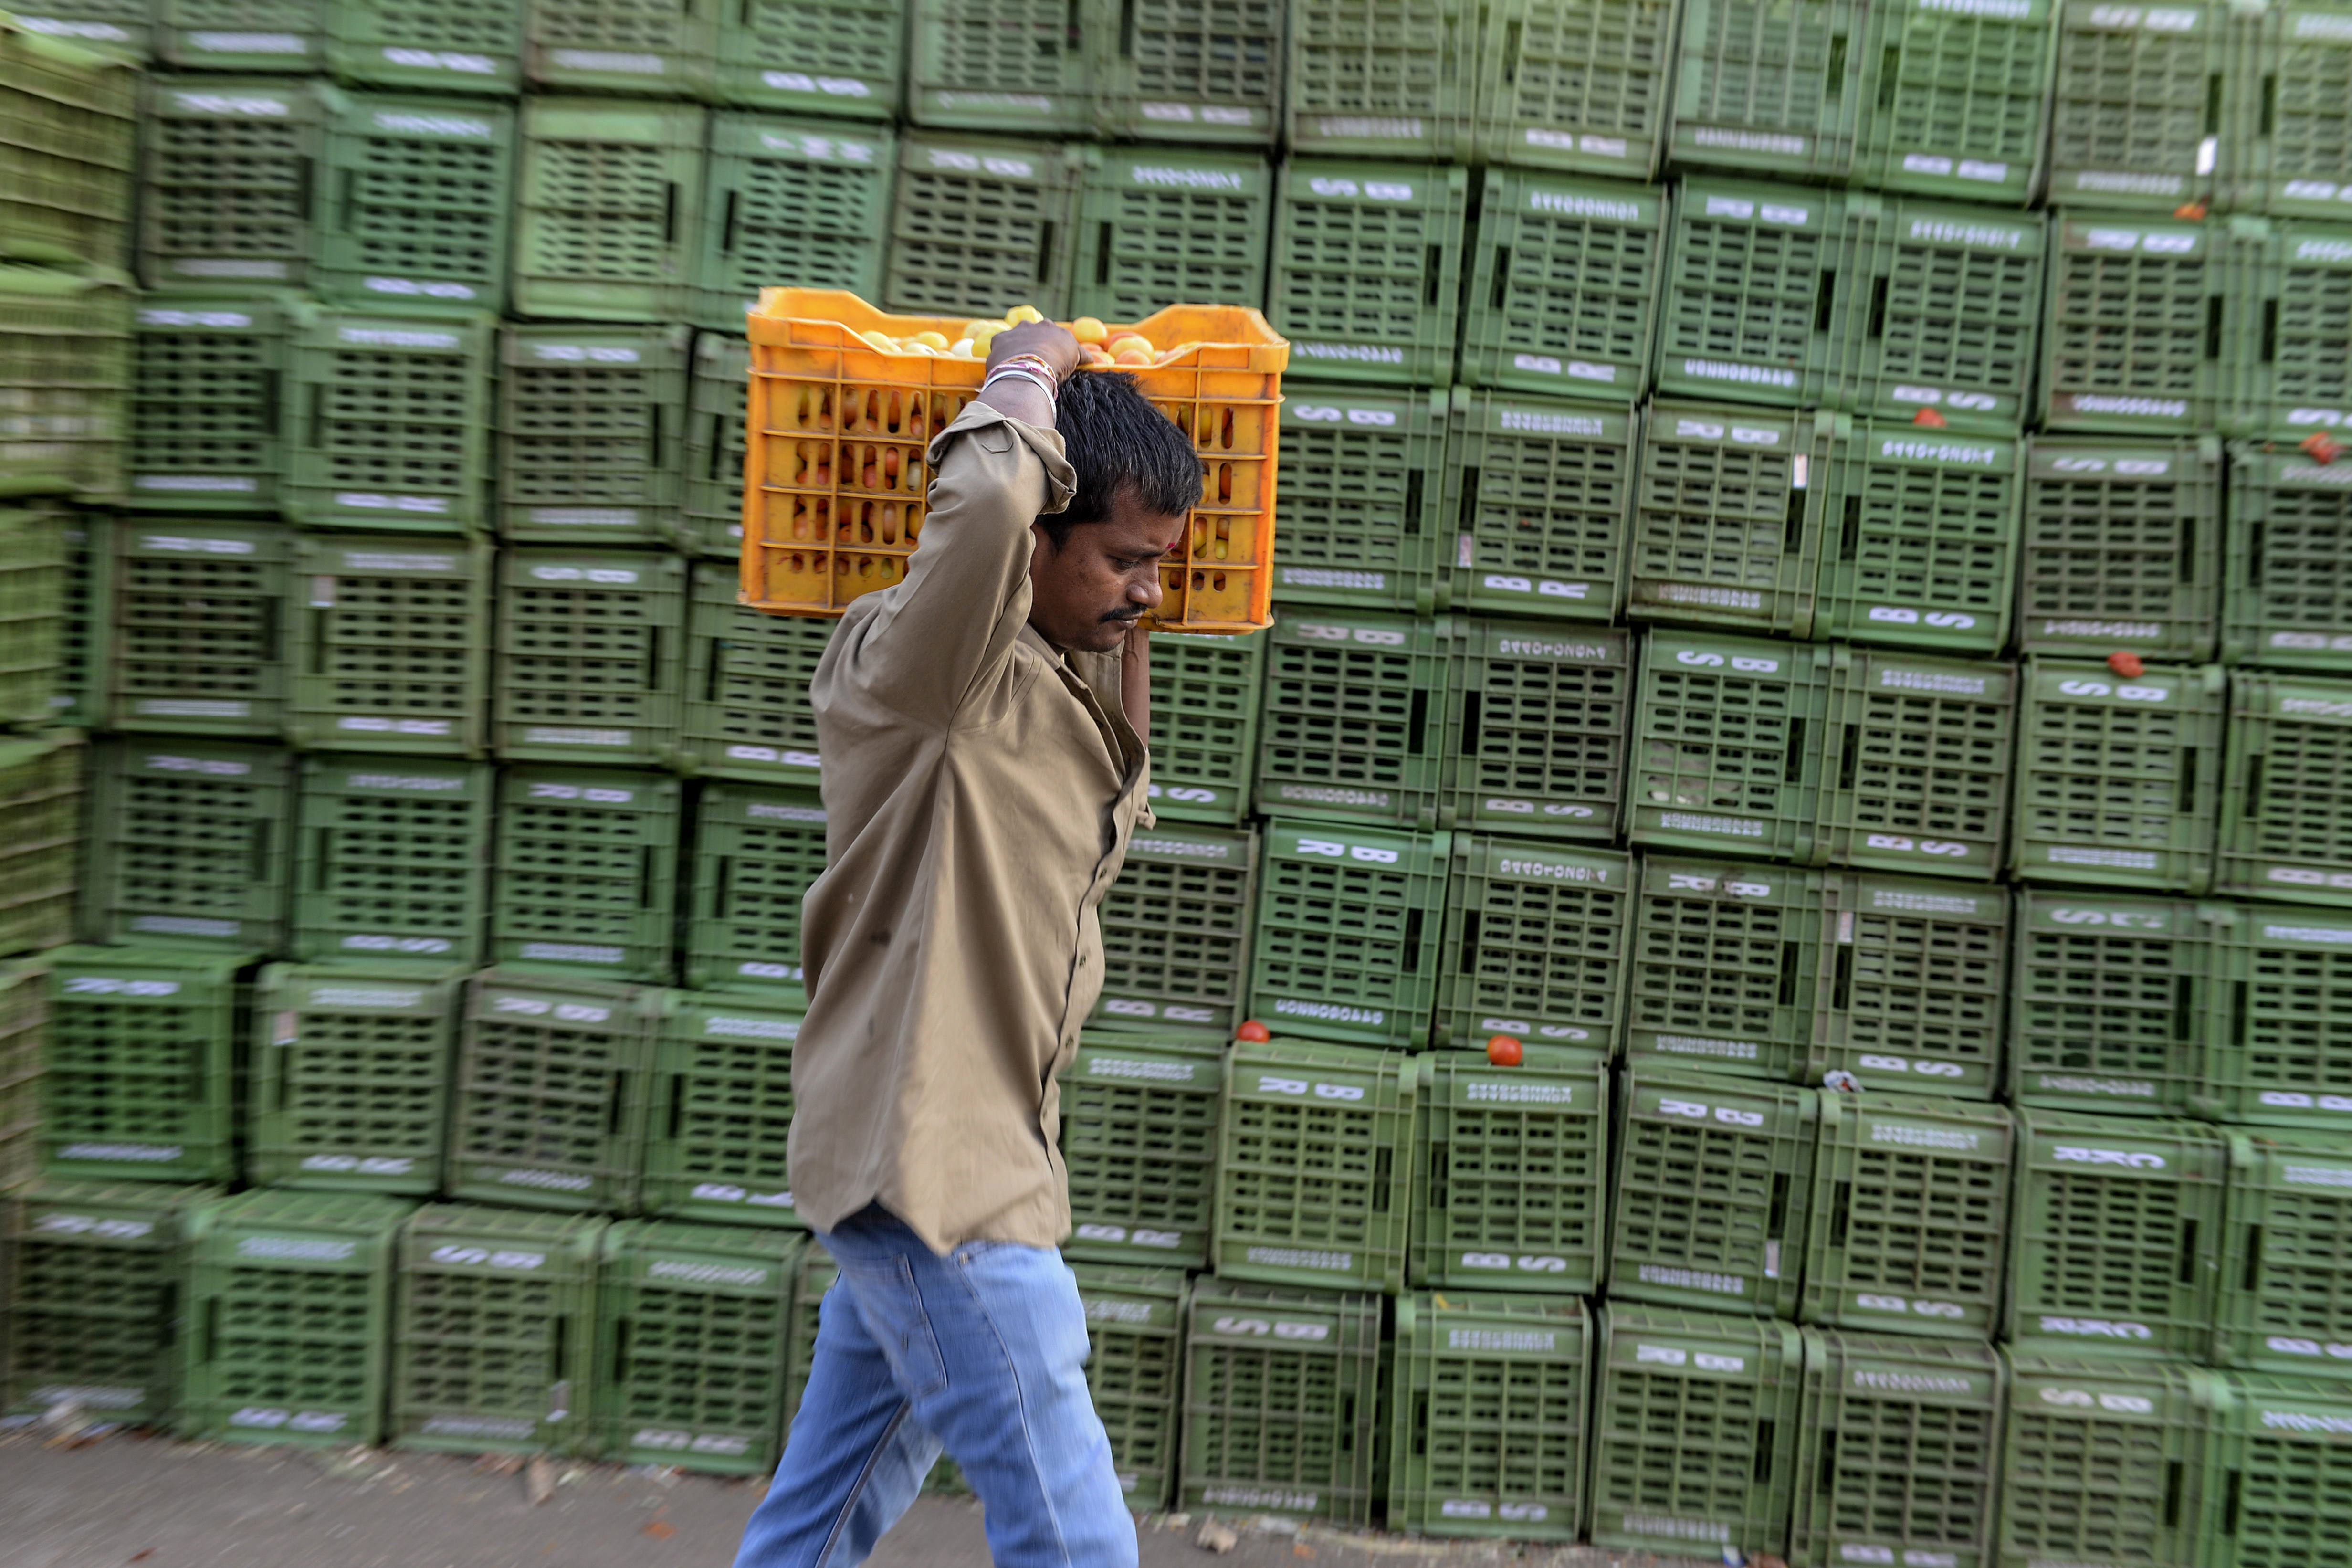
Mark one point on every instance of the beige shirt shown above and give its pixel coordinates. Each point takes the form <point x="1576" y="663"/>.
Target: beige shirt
<point x="979" y="791"/>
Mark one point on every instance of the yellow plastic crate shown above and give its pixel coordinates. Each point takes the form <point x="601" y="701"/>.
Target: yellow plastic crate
<point x="834" y="477"/>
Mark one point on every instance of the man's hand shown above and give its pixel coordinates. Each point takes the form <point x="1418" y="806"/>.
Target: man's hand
<point x="1015" y="397"/>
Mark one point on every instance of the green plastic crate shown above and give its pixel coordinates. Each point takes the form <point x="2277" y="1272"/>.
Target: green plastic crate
<point x="2116" y="777"/>
<point x="609" y="201"/>
<point x="1919" y="540"/>
<point x="242" y="34"/>
<point x="190" y="841"/>
<point x="1205" y="699"/>
<point x="2286" y="600"/>
<point x="1540" y="493"/>
<point x="588" y="664"/>
<point x="721" y="1107"/>
<point x="2278" y="1043"/>
<point x="1135" y="1326"/>
<point x="1917" y="759"/>
<point x="2283" y="1308"/>
<point x="1726" y="967"/>
<point x="81" y="638"/>
<point x="798" y="199"/>
<point x="1942" y="314"/>
<point x="40" y="861"/>
<point x="586" y="874"/>
<point x="1727" y="745"/>
<point x="118" y="27"/>
<point x="1140" y="1115"/>
<point x="1732" y="512"/>
<point x="1362" y="485"/>
<point x="756" y="851"/>
<point x="71" y="113"/>
<point x="2285" y="1473"/>
<point x="32" y="611"/>
<point x="144" y="1045"/>
<point x="1366" y="270"/>
<point x="590" y="425"/>
<point x="1487" y="1435"/>
<point x="1175" y="930"/>
<point x="978" y="227"/>
<point x="390" y="647"/>
<point x="2135" y="118"/>
<point x="351" y="1074"/>
<point x="286" y="1333"/>
<point x="845" y="58"/>
<point x="655" y="47"/>
<point x="691" y="1327"/>
<point x="1314" y="1166"/>
<point x="1352" y="726"/>
<point x="414" y="214"/>
<point x="2285" y="828"/>
<point x="1774" y="86"/>
<point x="2143" y="331"/>
<point x="1022" y="66"/>
<point x="1281" y="1401"/>
<point x="717" y="410"/>
<point x="65" y="375"/>
<point x="2111" y="1002"/>
<point x="1960" y="99"/>
<point x="1346" y="936"/>
<point x="1693" y="1431"/>
<point x="197" y="643"/>
<point x="547" y="1108"/>
<point x="24" y="1054"/>
<point x="1712" y="1191"/>
<point x="1563" y="291"/>
<point x="1159" y="226"/>
<point x="207" y="403"/>
<point x="1536" y="719"/>
<point x="811" y="1277"/>
<point x="2284" y="96"/>
<point x="390" y="423"/>
<point x="1913" y="987"/>
<point x="1902" y="1446"/>
<point x="389" y="860"/>
<point x="2294" y="380"/>
<point x="206" y="136"/>
<point x="1910" y="1207"/>
<point x="747" y="713"/>
<point x="1752" y="274"/>
<point x="2115" y="1236"/>
<point x="1194" y="70"/>
<point x="1534" y="944"/>
<point x="1579" y="88"/>
<point x="2109" y="1461"/>
<point x="427" y="45"/>
<point x="1510" y="1172"/>
<point x="494" y="1331"/>
<point x="1381" y="78"/>
<point x="2121" y="547"/>
<point x="90" y="1288"/>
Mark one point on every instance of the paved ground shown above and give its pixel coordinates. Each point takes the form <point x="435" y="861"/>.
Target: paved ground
<point x="133" y="1502"/>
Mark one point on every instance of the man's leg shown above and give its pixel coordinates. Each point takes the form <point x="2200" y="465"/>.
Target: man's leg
<point x="854" y="1460"/>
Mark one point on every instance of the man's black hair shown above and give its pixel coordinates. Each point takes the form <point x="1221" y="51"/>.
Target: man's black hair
<point x="1117" y="441"/>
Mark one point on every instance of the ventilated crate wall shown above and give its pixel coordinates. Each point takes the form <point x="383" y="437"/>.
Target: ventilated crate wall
<point x="1510" y="1172"/>
<point x="1487" y="1421"/>
<point x="241" y="35"/>
<point x="585" y="874"/>
<point x="2141" y="332"/>
<point x="1579" y="88"/>
<point x="1012" y="65"/>
<point x="1915" y="774"/>
<point x="144" y="1048"/>
<point x="1391" y="81"/>
<point x="1900" y="1451"/>
<point x="1769" y="89"/>
<point x="717" y="397"/>
<point x="1562" y="286"/>
<point x="1281" y="1401"/>
<point x="2285" y="828"/>
<point x="1139" y="1130"/>
<point x="2111" y="1002"/>
<point x="589" y="430"/>
<point x="1353" y="718"/>
<point x="72" y="116"/>
<point x="1912" y="990"/>
<point x="797" y="199"/>
<point x="430" y="45"/>
<point x="1195" y="71"/>
<point x="1751" y="276"/>
<point x="2133" y="121"/>
<point x="722" y="1109"/>
<point x="1918" y="544"/>
<point x="1535" y="944"/>
<point x="2286" y="600"/>
<point x="389" y="642"/>
<point x="1348" y="932"/>
<point x="2105" y="1459"/>
<point x="2286" y="1472"/>
<point x="41" y="859"/>
<point x="65" y="367"/>
<point x="2293" y="377"/>
<point x="746" y="712"/>
<point x="618" y="47"/>
<point x="1535" y="721"/>
<point x="2283" y="1308"/>
<point x="417" y="196"/>
<point x="977" y="227"/>
<point x="351" y="1075"/>
<point x="33" y="572"/>
<point x="389" y="424"/>
<point x="1939" y="309"/>
<point x="756" y="851"/>
<point x="2278" y="1044"/>
<point x="388" y="861"/>
<point x="1206" y="693"/>
<point x="1135" y="1330"/>
<point x="206" y="405"/>
<point x="588" y="647"/>
<point x="608" y="199"/>
<point x="1539" y="499"/>
<point x="1363" y="483"/>
<point x="2121" y="547"/>
<point x="1725" y="964"/>
<point x="1366" y="274"/>
<point x="1728" y="523"/>
<point x="823" y="56"/>
<point x="204" y="136"/>
<point x="1175" y="930"/>
<point x="1157" y="226"/>
<point x="24" y="1057"/>
<point x="190" y="842"/>
<point x="2287" y="152"/>
<point x="1960" y="105"/>
<point x="198" y="617"/>
<point x="287" y="1335"/>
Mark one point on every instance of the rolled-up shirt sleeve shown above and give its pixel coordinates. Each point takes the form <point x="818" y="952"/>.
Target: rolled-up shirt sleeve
<point x="940" y="636"/>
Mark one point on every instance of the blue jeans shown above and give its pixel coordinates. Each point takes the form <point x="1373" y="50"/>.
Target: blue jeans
<point x="986" y="1348"/>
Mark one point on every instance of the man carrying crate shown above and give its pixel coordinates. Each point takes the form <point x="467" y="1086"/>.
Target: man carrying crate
<point x="981" y="725"/>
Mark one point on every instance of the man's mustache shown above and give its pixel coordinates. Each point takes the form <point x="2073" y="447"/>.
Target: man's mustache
<point x="1128" y="616"/>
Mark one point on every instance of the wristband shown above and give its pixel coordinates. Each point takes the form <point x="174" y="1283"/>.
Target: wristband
<point x="1032" y="362"/>
<point x="1009" y="372"/>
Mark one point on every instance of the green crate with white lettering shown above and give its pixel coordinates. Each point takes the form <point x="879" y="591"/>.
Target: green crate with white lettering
<point x="1206" y="694"/>
<point x="189" y="843"/>
<point x="1282" y="1402"/>
<point x="41" y="786"/>
<point x="1366" y="279"/>
<point x="1314" y="1166"/>
<point x="2294" y="380"/>
<point x="23" y="1052"/>
<point x="1779" y="88"/>
<point x="1510" y="1172"/>
<point x="1918" y="547"/>
<point x="834" y="58"/>
<point x="2285" y="602"/>
<point x="1563" y="297"/>
<point x="2286" y="157"/>
<point x="146" y="1048"/>
<point x="204" y="139"/>
<point x="1733" y="512"/>
<point x="1347" y="931"/>
<point x="286" y="1325"/>
<point x="2145" y="330"/>
<point x="390" y="647"/>
<point x="1917" y="755"/>
<point x="2111" y="1002"/>
<point x="1140" y="1115"/>
<point x="81" y="697"/>
<point x="427" y="45"/>
<point x="2290" y="1213"/>
<point x="1135" y="1333"/>
<point x="2121" y="547"/>
<point x="1695" y="1432"/>
<point x="718" y="411"/>
<point x="722" y="1109"/>
<point x="1753" y="275"/>
<point x="1197" y="71"/>
<point x="692" y="1321"/>
<point x="2278" y="1036"/>
<point x="197" y="640"/>
<point x="89" y="1295"/>
<point x="2117" y="778"/>
<point x="1363" y="80"/>
<point x="1029" y="67"/>
<point x="1535" y="724"/>
<point x="747" y="712"/>
<point x="420" y="192"/>
<point x="2285" y="826"/>
<point x="1539" y="497"/>
<point x="1353" y="722"/>
<point x="1902" y="1439"/>
<point x="756" y="851"/>
<point x="590" y="424"/>
<point x="389" y="861"/>
<point x="2110" y="1460"/>
<point x="2284" y="1466"/>
<point x="584" y="877"/>
<point x="1910" y="1216"/>
<point x="1913" y="986"/>
<point x="588" y="664"/>
<point x="1548" y="99"/>
<point x="1487" y="1420"/>
<point x="1362" y="488"/>
<point x="207" y="403"/>
<point x="1175" y="930"/>
<point x="1160" y="226"/>
<point x="1727" y="967"/>
<point x="1534" y="944"/>
<point x="548" y="1106"/>
<point x="494" y="1331"/>
<point x="608" y="206"/>
<point x="1712" y="1191"/>
<point x="242" y="34"/>
<point x="1727" y="745"/>
<point x="122" y="28"/>
<point x="351" y="1075"/>
<point x="980" y="226"/>
<point x="2115" y="1234"/>
<point x="2136" y="116"/>
<point x="389" y="425"/>
<point x="804" y="199"/>
<point x="33" y="593"/>
<point x="1960" y="104"/>
<point x="620" y="47"/>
